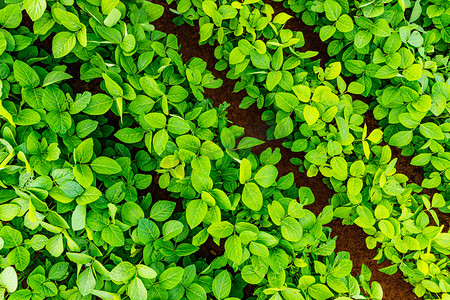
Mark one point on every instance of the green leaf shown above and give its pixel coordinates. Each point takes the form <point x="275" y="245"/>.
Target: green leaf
<point x="25" y="75"/>
<point x="55" y="245"/>
<point x="11" y="16"/>
<point x="63" y="43"/>
<point x="146" y="272"/>
<point x="195" y="292"/>
<point x="145" y="60"/>
<point x="281" y="18"/>
<point x="147" y="231"/>
<point x="105" y="165"/>
<point x="156" y="120"/>
<point x="11" y="237"/>
<point x="129" y="43"/>
<point x="58" y="271"/>
<point x="208" y="118"/>
<point x="59" y="122"/>
<point x="356" y="88"/>
<point x="114" y="89"/>
<point x="123" y="272"/>
<point x="291" y="229"/>
<point x="311" y="114"/>
<point x="416" y="39"/>
<point x="221" y="230"/>
<point x="9" y="211"/>
<point x="401" y="139"/>
<point x="162" y="210"/>
<point x="110" y="34"/>
<point x="233" y="249"/>
<point x="130" y="135"/>
<point x="260" y="61"/>
<point x="413" y="72"/>
<point x="86" y="282"/>
<point x="98" y="105"/>
<point x="90" y="195"/>
<point x="79" y="258"/>
<point x="6" y="114"/>
<point x="160" y="140"/>
<point x="259" y="250"/>
<point x="431" y="286"/>
<point x="333" y="70"/>
<point x="236" y="56"/>
<point x="171" y="277"/>
<point x="326" y="32"/>
<point x="221" y="285"/>
<point x="339" y="168"/>
<point x="362" y="38"/>
<point x="20" y="257"/>
<point x="355" y="66"/>
<point x="53" y="99"/>
<point x="276" y="212"/>
<point x="44" y="23"/>
<point x="273" y="78"/>
<point x="392" y="187"/>
<point x="67" y="19"/>
<point x="286" y="101"/>
<point x="252" y="196"/>
<point x="250" y="275"/>
<point x="332" y="10"/>
<point x="284" y="128"/>
<point x="227" y="138"/>
<point x="387" y="228"/>
<point x="8" y="279"/>
<point x="266" y="176"/>
<point x="211" y="150"/>
<point x="132" y="213"/>
<point x="343" y="269"/>
<point x="432" y="182"/>
<point x="136" y="290"/>
<point x="113" y="17"/>
<point x="320" y="291"/>
<point x="431" y="131"/>
<point x="113" y="235"/>
<point x="171" y="229"/>
<point x="345" y="23"/>
<point x="108" y="5"/>
<point x="393" y="43"/>
<point x="245" y="171"/>
<point x="366" y="218"/>
<point x="206" y="31"/>
<point x="177" y="94"/>
<point x="249" y="142"/>
<point x="79" y="218"/>
<point x="195" y="212"/>
<point x="277" y="60"/>
<point x="154" y="11"/>
<point x="86" y="127"/>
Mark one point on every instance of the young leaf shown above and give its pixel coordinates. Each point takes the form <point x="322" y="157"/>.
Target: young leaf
<point x="63" y="43"/>
<point x="105" y="165"/>
<point x="252" y="196"/>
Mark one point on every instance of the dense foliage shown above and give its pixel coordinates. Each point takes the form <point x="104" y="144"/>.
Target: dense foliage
<point x="399" y="52"/>
<point x="97" y="107"/>
<point x="313" y="110"/>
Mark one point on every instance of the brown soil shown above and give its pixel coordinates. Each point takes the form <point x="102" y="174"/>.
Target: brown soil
<point x="350" y="238"/>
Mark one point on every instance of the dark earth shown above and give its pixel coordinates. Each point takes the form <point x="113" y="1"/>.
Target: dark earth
<point x="350" y="238"/>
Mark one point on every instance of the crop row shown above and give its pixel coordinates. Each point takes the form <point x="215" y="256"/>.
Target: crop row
<point x="313" y="110"/>
<point x="77" y="161"/>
